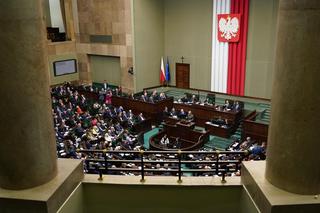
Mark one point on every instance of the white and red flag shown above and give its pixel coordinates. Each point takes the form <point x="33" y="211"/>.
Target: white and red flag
<point x="229" y="46"/>
<point x="162" y="72"/>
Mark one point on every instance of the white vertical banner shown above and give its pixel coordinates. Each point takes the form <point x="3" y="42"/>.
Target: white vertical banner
<point x="219" y="63"/>
<point x="56" y="15"/>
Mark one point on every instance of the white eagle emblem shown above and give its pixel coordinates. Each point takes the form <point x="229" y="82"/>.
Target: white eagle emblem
<point x="229" y="27"/>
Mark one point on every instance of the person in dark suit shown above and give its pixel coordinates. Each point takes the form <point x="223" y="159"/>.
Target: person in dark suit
<point x="190" y="116"/>
<point x="165" y="112"/>
<point x="151" y="99"/>
<point x="237" y="106"/>
<point x="182" y="114"/>
<point x="219" y="121"/>
<point x="173" y="112"/>
<point x="184" y="99"/>
<point x="227" y="105"/>
<point x="141" y="117"/>
<point x="79" y="131"/>
<point x="154" y="96"/>
<point x="105" y="85"/>
<point x="131" y="96"/>
<point x="124" y="116"/>
<point x="194" y="99"/>
<point x="143" y="98"/>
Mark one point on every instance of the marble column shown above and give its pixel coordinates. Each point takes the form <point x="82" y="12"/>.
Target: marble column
<point x="27" y="142"/>
<point x="293" y="158"/>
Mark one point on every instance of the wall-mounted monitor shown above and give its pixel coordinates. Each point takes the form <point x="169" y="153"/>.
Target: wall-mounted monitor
<point x="65" y="67"/>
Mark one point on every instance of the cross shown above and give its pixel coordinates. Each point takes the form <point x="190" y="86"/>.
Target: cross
<point x="182" y="58"/>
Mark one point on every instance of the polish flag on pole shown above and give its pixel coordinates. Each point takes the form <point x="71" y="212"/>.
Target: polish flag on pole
<point x="162" y="72"/>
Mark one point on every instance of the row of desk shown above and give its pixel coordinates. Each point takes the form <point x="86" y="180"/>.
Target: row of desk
<point x="224" y="132"/>
<point x="202" y="113"/>
<point x="150" y="110"/>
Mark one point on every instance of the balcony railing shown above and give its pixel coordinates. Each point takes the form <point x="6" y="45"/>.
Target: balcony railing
<point x="218" y="163"/>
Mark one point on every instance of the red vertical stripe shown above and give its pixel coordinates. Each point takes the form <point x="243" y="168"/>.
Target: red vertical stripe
<point x="236" y="58"/>
<point x="238" y="71"/>
<point x="244" y="50"/>
<point x="230" y="56"/>
<point x="237" y="51"/>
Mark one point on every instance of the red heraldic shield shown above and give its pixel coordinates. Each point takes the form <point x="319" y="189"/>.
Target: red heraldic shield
<point x="229" y="27"/>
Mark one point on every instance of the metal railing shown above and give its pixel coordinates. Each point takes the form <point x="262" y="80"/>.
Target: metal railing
<point x="221" y="162"/>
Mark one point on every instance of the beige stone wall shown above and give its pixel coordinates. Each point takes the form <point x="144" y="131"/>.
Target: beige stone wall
<point x="148" y="41"/>
<point x="69" y="19"/>
<point x="107" y="17"/>
<point x="58" y="51"/>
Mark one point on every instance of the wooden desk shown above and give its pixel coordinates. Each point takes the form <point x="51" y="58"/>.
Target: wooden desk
<point x="171" y="120"/>
<point x="190" y="139"/>
<point x="218" y="130"/>
<point x="142" y="126"/>
<point x="186" y="124"/>
<point x="88" y="94"/>
<point x="150" y="110"/>
<point x="257" y="131"/>
<point x="204" y="113"/>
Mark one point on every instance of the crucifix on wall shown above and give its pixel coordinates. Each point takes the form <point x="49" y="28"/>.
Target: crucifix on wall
<point x="182" y="58"/>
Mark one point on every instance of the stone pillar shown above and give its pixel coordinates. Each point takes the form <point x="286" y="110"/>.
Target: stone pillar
<point x="27" y="142"/>
<point x="293" y="157"/>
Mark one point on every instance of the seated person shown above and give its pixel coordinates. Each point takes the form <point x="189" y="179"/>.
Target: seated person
<point x="102" y="94"/>
<point x="130" y="115"/>
<point x="257" y="149"/>
<point x="165" y="112"/>
<point x="120" y="91"/>
<point x="164" y="140"/>
<point x="108" y="97"/>
<point x="154" y="96"/>
<point x="118" y="127"/>
<point x="227" y="105"/>
<point x="237" y="106"/>
<point x="219" y="108"/>
<point x="145" y="93"/>
<point x="206" y="101"/>
<point x="173" y="112"/>
<point x="108" y="137"/>
<point x="226" y="123"/>
<point x="105" y="85"/>
<point x="131" y="96"/>
<point x="151" y="99"/>
<point x="246" y="144"/>
<point x="141" y="117"/>
<point x="167" y="142"/>
<point x="79" y="130"/>
<point x="177" y="143"/>
<point x="124" y="117"/>
<point x="186" y="98"/>
<point x="194" y="99"/>
<point x="144" y="98"/>
<point x="162" y="96"/>
<point x="190" y="116"/>
<point x="182" y="114"/>
<point x="219" y="121"/>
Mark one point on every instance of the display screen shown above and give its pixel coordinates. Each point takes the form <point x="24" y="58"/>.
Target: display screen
<point x="65" y="67"/>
